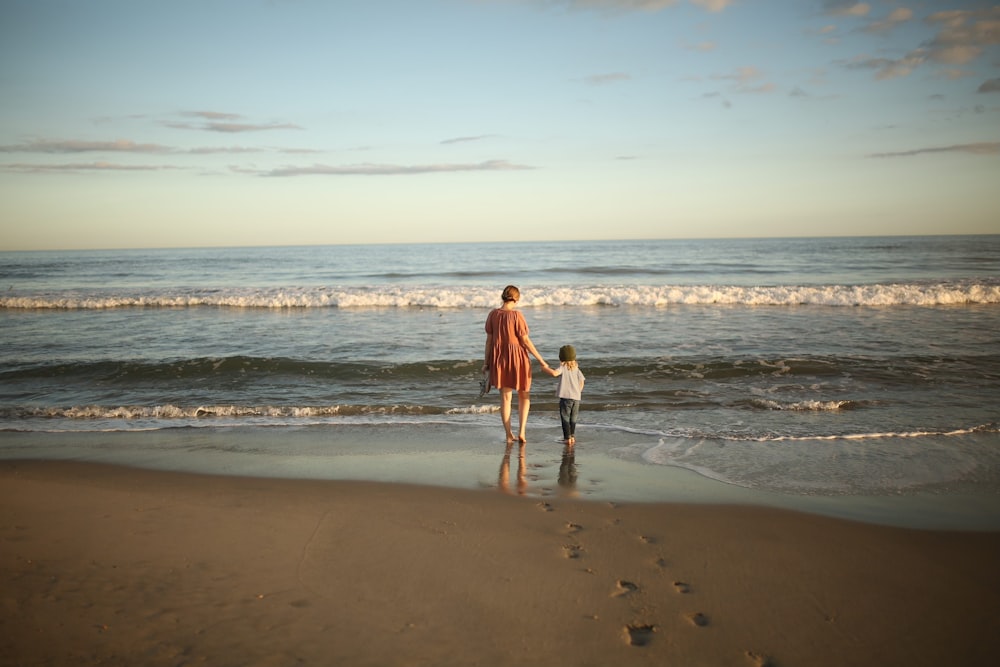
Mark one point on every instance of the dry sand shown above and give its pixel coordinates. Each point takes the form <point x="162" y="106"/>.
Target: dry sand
<point x="114" y="566"/>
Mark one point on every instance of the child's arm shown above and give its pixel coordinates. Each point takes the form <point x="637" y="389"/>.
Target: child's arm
<point x="552" y="371"/>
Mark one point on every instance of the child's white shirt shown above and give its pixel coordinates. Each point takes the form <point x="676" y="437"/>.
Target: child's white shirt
<point x="570" y="383"/>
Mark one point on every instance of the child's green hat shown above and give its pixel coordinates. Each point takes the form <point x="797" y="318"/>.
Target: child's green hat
<point x="567" y="353"/>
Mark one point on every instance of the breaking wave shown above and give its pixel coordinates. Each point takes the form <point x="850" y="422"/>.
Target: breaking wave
<point x="902" y="294"/>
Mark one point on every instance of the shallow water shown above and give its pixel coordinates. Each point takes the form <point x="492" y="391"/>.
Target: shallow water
<point x="805" y="367"/>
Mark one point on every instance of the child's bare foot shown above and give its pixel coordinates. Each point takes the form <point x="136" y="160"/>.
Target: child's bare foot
<point x="571" y="441"/>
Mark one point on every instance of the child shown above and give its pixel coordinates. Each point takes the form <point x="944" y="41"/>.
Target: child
<point x="570" y="389"/>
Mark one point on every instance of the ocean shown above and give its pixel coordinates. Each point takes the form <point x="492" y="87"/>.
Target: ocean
<point x="819" y="367"/>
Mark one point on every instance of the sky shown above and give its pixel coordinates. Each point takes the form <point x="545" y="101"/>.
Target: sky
<point x="140" y="124"/>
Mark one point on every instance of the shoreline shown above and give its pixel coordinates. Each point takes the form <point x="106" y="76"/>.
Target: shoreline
<point x="116" y="565"/>
<point x="474" y="459"/>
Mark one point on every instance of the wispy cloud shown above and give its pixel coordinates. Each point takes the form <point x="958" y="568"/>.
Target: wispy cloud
<point x="714" y="6"/>
<point x="747" y="80"/>
<point x="991" y="86"/>
<point x="888" y="68"/>
<point x="218" y="121"/>
<point x="462" y="140"/>
<point x="846" y="8"/>
<point x="369" y="169"/>
<point x="224" y="150"/>
<point x="212" y="115"/>
<point x="701" y="47"/>
<point x="896" y="17"/>
<point x="82" y="167"/>
<point x="961" y="36"/>
<point x="215" y="126"/>
<point x="77" y="146"/>
<point x="981" y="148"/>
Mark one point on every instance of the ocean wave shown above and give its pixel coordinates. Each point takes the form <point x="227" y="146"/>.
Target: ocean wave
<point x="860" y="463"/>
<point x="902" y="294"/>
<point x="179" y="412"/>
<point x="806" y="406"/>
<point x="97" y="418"/>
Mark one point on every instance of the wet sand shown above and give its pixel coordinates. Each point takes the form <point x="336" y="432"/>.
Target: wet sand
<point x="117" y="566"/>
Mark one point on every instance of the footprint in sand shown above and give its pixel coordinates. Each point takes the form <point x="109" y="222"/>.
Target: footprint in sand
<point x="639" y="634"/>
<point x="759" y="659"/>
<point x="681" y="587"/>
<point x="572" y="528"/>
<point x="546" y="507"/>
<point x="623" y="587"/>
<point x="572" y="551"/>
<point x="697" y="618"/>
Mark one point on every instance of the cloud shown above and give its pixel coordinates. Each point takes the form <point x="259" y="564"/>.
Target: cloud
<point x="221" y="150"/>
<point x="713" y="6"/>
<point x="220" y="121"/>
<point x="747" y="80"/>
<point x="604" y="79"/>
<point x="961" y="37"/>
<point x="461" y="140"/>
<point x="887" y="68"/>
<point x="955" y="73"/>
<point x="991" y="86"/>
<point x="981" y="148"/>
<point x="896" y="17"/>
<point x="391" y="169"/>
<point x="702" y="47"/>
<point x="846" y="8"/>
<point x="124" y="146"/>
<point x="717" y="95"/>
<point x="218" y="126"/>
<point x="963" y="34"/>
<point x="76" y="146"/>
<point x="82" y="167"/>
<point x="212" y="115"/>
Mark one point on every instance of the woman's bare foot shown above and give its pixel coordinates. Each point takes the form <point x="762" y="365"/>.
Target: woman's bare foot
<point x="571" y="441"/>
<point x="521" y="439"/>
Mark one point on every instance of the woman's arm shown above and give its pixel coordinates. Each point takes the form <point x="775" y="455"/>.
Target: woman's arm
<point x="530" y="347"/>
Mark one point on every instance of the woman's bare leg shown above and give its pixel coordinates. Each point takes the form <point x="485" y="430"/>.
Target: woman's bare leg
<point x="505" y="396"/>
<point x="523" y="406"/>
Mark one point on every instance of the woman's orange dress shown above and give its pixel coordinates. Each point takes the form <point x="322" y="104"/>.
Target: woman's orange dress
<point x="510" y="366"/>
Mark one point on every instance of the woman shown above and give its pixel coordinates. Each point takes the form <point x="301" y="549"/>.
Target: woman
<point x="507" y="348"/>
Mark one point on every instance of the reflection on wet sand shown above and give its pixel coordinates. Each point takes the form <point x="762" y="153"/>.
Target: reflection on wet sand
<point x="567" y="475"/>
<point x="504" y="480"/>
<point x="567" y="471"/>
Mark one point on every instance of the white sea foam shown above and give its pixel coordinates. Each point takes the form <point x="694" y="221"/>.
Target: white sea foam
<point x="861" y="463"/>
<point x="912" y="294"/>
<point x="804" y="406"/>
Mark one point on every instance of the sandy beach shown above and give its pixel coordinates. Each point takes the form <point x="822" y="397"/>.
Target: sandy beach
<point x="116" y="566"/>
